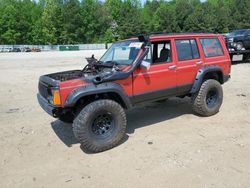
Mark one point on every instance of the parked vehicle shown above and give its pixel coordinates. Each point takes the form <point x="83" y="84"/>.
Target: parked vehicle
<point x="16" y="50"/>
<point x="133" y="72"/>
<point x="36" y="50"/>
<point x="6" y="49"/>
<point x="27" y="49"/>
<point x="239" y="40"/>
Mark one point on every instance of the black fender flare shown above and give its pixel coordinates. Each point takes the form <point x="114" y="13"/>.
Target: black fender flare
<point x="97" y="89"/>
<point x="200" y="75"/>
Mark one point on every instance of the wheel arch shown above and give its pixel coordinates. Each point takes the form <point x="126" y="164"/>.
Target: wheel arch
<point x="205" y="73"/>
<point x="93" y="92"/>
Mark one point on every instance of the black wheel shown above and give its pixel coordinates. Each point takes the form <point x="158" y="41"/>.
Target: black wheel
<point x="66" y="118"/>
<point x="207" y="101"/>
<point x="100" y="125"/>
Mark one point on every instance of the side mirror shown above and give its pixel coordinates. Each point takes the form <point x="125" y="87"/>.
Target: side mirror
<point x="145" y="65"/>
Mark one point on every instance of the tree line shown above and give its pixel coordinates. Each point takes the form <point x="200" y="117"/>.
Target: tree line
<point x="93" y="21"/>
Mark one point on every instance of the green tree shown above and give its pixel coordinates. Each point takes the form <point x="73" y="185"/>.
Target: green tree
<point x="71" y="22"/>
<point x="88" y="21"/>
<point x="147" y="13"/>
<point x="164" y="18"/>
<point x="48" y="22"/>
<point x="8" y="22"/>
<point x="96" y="21"/>
<point x="240" y="13"/>
<point x="183" y="9"/>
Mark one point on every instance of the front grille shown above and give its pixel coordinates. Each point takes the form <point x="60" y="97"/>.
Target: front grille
<point x="43" y="90"/>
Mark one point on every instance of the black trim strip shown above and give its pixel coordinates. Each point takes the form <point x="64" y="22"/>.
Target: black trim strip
<point x="161" y="94"/>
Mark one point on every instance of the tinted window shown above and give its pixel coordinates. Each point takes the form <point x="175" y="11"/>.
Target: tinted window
<point x="194" y="49"/>
<point x="211" y="47"/>
<point x="187" y="49"/>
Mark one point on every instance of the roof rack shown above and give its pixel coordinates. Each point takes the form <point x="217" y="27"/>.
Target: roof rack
<point x="168" y="33"/>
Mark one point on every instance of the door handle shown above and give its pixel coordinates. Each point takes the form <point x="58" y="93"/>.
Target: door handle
<point x="172" y="67"/>
<point x="199" y="63"/>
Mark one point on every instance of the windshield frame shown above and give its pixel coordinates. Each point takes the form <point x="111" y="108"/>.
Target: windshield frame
<point x="128" y="40"/>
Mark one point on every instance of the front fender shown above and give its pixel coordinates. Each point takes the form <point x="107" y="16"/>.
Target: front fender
<point x="97" y="89"/>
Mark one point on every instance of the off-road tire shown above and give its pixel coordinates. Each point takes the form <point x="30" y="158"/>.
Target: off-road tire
<point x="201" y="100"/>
<point x="84" y="123"/>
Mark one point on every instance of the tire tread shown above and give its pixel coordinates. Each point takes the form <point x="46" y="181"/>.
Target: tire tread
<point x="80" y="130"/>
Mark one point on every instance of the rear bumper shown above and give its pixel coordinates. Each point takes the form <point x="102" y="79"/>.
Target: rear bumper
<point x="47" y="107"/>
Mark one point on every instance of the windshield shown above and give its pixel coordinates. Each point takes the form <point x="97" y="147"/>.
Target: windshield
<point x="122" y="53"/>
<point x="237" y="32"/>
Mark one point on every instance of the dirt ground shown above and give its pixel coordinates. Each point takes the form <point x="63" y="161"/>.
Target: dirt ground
<point x="166" y="145"/>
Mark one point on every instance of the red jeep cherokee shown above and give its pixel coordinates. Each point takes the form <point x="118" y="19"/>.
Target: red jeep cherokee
<point x="132" y="72"/>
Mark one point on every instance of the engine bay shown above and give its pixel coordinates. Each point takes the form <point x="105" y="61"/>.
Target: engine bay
<point x="90" y="70"/>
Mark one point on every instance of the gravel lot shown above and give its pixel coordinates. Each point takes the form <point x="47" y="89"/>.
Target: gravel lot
<point x="166" y="145"/>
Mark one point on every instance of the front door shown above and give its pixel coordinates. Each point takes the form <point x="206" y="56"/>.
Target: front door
<point x="159" y="81"/>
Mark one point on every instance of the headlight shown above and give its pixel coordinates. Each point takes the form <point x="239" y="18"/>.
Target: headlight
<point x="56" y="97"/>
<point x="230" y="39"/>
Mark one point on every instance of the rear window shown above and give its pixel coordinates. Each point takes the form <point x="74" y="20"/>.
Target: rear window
<point x="187" y="49"/>
<point x="211" y="47"/>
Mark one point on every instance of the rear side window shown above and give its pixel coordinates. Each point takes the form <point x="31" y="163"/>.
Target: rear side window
<point x="211" y="47"/>
<point x="187" y="49"/>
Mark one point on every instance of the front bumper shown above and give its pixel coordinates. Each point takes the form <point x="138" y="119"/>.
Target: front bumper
<point x="47" y="107"/>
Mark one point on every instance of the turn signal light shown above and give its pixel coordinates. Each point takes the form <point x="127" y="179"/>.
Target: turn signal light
<point x="56" y="97"/>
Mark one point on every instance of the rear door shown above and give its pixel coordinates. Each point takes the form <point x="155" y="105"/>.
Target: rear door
<point x="215" y="53"/>
<point x="159" y="81"/>
<point x="188" y="61"/>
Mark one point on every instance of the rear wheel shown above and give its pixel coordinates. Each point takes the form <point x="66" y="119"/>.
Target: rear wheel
<point x="207" y="101"/>
<point x="100" y="125"/>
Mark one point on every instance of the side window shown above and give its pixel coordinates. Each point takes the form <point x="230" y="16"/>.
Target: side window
<point x="187" y="49"/>
<point x="195" y="51"/>
<point x="161" y="52"/>
<point x="211" y="47"/>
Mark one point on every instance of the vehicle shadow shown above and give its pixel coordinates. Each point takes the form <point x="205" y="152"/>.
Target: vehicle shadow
<point x="157" y="112"/>
<point x="64" y="132"/>
<point x="138" y="117"/>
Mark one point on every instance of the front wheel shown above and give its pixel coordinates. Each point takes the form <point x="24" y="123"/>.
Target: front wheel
<point x="207" y="101"/>
<point x="100" y="125"/>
